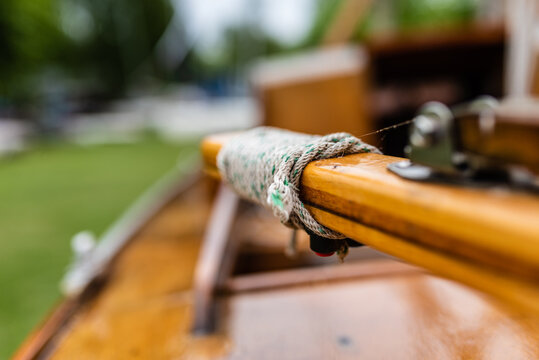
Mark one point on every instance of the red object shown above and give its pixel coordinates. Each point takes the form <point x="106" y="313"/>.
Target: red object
<point x="324" y="254"/>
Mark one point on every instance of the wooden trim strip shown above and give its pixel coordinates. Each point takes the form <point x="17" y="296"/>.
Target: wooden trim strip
<point x="521" y="294"/>
<point x="213" y="255"/>
<point x="40" y="337"/>
<point x="315" y="275"/>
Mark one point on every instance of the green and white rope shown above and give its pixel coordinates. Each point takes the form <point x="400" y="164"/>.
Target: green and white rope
<point x="265" y="164"/>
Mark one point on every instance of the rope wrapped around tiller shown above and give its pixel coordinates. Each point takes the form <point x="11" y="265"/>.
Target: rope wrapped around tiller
<point x="265" y="164"/>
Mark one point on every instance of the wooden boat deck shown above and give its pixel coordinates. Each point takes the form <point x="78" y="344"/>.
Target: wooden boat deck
<point x="383" y="309"/>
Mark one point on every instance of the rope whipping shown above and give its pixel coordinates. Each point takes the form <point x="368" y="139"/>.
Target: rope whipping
<point x="265" y="164"/>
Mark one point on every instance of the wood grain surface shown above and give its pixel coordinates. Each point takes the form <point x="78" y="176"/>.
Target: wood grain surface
<point x="369" y="310"/>
<point x="147" y="301"/>
<point x="408" y="316"/>
<point x="494" y="229"/>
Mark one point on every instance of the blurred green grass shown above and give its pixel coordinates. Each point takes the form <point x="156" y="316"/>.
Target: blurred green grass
<point x="48" y="194"/>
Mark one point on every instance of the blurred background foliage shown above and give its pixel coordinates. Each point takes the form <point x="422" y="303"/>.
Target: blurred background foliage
<point x="395" y="16"/>
<point x="30" y="38"/>
<point x="86" y="46"/>
<point x="80" y="49"/>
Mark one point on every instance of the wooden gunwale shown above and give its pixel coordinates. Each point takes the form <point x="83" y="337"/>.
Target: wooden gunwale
<point x="487" y="238"/>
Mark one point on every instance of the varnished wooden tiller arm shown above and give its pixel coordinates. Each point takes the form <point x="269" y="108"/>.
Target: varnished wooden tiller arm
<point x="487" y="238"/>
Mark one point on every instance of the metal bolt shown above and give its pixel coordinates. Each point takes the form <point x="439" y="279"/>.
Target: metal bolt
<point x="425" y="131"/>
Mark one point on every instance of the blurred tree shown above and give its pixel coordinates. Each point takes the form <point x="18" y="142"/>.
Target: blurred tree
<point x="30" y="39"/>
<point x="395" y="15"/>
<point x="119" y="40"/>
<point x="96" y="45"/>
<point x="325" y="15"/>
<point x="223" y="71"/>
<point x="421" y="13"/>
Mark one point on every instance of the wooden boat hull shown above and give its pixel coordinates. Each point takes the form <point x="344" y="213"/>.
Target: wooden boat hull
<point x="380" y="309"/>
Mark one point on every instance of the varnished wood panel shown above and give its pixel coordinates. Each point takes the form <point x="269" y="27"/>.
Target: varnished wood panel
<point x="319" y="91"/>
<point x="319" y="106"/>
<point x="397" y="317"/>
<point x="512" y="139"/>
<point x="481" y="223"/>
<point x="520" y="294"/>
<point x="495" y="220"/>
<point x="351" y="270"/>
<point x="145" y="310"/>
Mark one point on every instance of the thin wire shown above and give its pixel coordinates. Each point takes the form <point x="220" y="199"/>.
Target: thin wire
<point x="381" y="142"/>
<point x="388" y="128"/>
